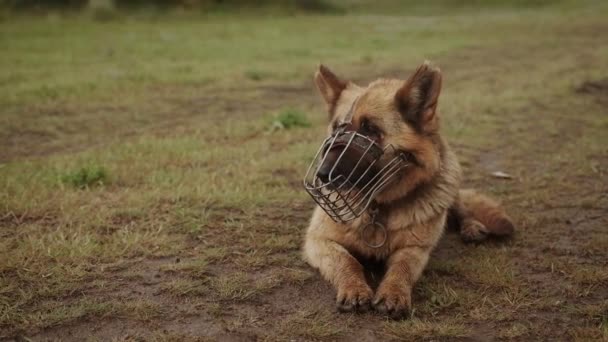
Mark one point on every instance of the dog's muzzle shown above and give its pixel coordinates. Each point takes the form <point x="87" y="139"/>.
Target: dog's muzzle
<point x="349" y="171"/>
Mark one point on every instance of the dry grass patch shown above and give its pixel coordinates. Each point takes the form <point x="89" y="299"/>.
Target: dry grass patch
<point x="55" y="312"/>
<point x="186" y="287"/>
<point x="240" y="286"/>
<point x="295" y="276"/>
<point x="513" y="331"/>
<point x="589" y="275"/>
<point x="312" y="324"/>
<point x="196" y="267"/>
<point x="139" y="309"/>
<point x="50" y="313"/>
<point x="486" y="266"/>
<point x="435" y="295"/>
<point x="424" y="329"/>
<point x="589" y="333"/>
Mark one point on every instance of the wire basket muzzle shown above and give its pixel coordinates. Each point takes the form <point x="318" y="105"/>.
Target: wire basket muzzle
<point x="348" y="172"/>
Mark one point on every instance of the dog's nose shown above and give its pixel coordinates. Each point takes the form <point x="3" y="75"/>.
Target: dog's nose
<point x="324" y="172"/>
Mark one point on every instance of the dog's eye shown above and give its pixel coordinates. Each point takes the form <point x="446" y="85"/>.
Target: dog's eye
<point x="410" y="156"/>
<point x="369" y="129"/>
<point x="366" y="126"/>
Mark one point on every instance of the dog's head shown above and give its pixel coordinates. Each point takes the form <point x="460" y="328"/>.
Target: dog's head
<point x="392" y="113"/>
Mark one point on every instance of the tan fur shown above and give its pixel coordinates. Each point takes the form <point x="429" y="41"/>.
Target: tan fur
<point x="414" y="209"/>
<point x="481" y="216"/>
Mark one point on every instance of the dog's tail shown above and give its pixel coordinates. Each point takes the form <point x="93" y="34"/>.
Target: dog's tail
<point x="479" y="216"/>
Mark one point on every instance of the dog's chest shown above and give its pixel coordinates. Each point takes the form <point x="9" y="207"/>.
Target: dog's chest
<point x="379" y="237"/>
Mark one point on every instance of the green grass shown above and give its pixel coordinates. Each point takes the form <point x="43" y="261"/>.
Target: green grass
<point x="171" y="115"/>
<point x="290" y="118"/>
<point x="86" y="177"/>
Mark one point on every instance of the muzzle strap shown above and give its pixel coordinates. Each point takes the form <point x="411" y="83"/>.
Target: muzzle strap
<point x="351" y="112"/>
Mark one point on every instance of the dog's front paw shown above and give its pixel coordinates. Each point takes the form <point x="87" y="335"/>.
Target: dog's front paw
<point x="354" y="298"/>
<point x="393" y="300"/>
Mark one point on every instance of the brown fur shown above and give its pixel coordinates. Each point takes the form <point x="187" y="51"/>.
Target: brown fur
<point x="414" y="209"/>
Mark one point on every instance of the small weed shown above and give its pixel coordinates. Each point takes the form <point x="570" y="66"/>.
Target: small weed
<point x="85" y="177"/>
<point x="290" y="118"/>
<point x="255" y="75"/>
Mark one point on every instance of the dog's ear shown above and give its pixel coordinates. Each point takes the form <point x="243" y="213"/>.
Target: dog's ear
<point x="417" y="99"/>
<point x="330" y="87"/>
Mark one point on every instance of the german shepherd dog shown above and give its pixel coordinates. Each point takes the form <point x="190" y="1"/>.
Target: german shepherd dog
<point x="407" y="216"/>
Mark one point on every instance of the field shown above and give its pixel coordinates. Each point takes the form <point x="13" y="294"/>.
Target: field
<point x="151" y="190"/>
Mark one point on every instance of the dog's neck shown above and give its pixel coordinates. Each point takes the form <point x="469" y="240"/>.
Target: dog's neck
<point x="426" y="201"/>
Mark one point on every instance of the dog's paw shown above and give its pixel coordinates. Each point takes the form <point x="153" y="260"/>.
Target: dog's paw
<point x="354" y="298"/>
<point x="473" y="231"/>
<point x="393" y="301"/>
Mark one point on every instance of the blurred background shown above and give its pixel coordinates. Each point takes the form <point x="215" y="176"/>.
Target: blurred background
<point x="152" y="153"/>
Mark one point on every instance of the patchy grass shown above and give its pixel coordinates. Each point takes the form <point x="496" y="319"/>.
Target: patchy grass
<point x="197" y="228"/>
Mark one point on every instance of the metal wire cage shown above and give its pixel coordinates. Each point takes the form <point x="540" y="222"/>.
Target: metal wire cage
<point x="348" y="188"/>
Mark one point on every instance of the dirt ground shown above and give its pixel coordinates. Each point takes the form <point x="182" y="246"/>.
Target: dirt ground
<point x="239" y="276"/>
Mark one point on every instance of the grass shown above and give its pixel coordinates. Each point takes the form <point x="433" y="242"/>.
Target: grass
<point x="196" y="267"/>
<point x="55" y="313"/>
<point x="186" y="287"/>
<point x="415" y="328"/>
<point x="86" y="177"/>
<point x="172" y="120"/>
<point x="290" y="118"/>
<point x="312" y="325"/>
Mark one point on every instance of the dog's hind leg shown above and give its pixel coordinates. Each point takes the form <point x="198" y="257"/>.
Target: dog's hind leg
<point x="479" y="216"/>
<point x="342" y="269"/>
